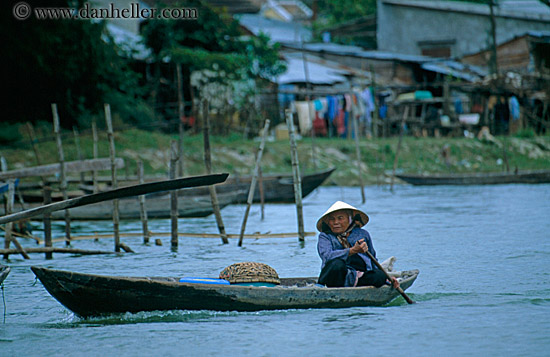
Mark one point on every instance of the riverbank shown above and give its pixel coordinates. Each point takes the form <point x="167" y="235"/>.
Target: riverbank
<point x="237" y="156"/>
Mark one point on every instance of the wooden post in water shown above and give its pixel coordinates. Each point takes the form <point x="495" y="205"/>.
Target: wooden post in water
<point x="142" y="209"/>
<point x="95" y="149"/>
<point x="295" y="174"/>
<point x="174" y="194"/>
<point x="62" y="173"/>
<point x="402" y="124"/>
<point x="358" y="154"/>
<point x="253" y="183"/>
<point x="261" y="188"/>
<point x="9" y="226"/>
<point x="47" y="222"/>
<point x="208" y="164"/>
<point x="114" y="183"/>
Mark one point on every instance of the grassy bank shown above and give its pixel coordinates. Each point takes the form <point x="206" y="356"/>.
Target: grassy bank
<point x="237" y="156"/>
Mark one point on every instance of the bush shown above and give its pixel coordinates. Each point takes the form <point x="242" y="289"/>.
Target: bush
<point x="525" y="133"/>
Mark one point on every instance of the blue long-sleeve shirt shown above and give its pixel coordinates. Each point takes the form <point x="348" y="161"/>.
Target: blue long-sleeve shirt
<point x="330" y="248"/>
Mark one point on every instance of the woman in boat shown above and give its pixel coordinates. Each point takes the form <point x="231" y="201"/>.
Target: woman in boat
<point x="342" y="246"/>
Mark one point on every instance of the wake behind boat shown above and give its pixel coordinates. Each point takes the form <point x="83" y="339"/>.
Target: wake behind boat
<point x="94" y="295"/>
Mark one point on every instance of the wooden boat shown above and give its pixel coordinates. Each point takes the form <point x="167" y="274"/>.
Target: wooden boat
<point x="277" y="188"/>
<point x="4" y="271"/>
<point x="493" y="178"/>
<point x="94" y="295"/>
<point x="157" y="205"/>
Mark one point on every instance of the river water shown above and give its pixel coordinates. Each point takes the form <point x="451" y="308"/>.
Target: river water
<point x="484" y="287"/>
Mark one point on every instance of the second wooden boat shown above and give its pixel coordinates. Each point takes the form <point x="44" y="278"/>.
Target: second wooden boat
<point x="492" y="178"/>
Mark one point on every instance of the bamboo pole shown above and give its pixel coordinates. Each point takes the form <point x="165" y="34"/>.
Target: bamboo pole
<point x="95" y="150"/>
<point x="358" y="154"/>
<point x="62" y="172"/>
<point x="308" y="100"/>
<point x="181" y="112"/>
<point x="78" y="150"/>
<point x="261" y="188"/>
<point x="114" y="182"/>
<point x="174" y="194"/>
<point x="192" y="235"/>
<point x="32" y="139"/>
<point x="9" y="226"/>
<point x="296" y="174"/>
<point x="142" y="209"/>
<point x="375" y="113"/>
<point x="208" y="164"/>
<point x="69" y="166"/>
<point x="7" y="252"/>
<point x="47" y="222"/>
<point x="253" y="182"/>
<point x="403" y="119"/>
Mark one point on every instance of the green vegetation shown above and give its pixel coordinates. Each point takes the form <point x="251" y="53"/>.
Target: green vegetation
<point x="237" y="156"/>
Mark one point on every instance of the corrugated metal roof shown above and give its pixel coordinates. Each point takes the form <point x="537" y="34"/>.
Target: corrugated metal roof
<point x="456" y="69"/>
<point x="355" y="51"/>
<point x="317" y="73"/>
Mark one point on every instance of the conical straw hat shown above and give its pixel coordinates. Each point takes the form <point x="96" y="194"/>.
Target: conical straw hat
<point x="339" y="205"/>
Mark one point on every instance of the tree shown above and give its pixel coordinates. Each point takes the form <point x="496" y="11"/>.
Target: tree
<point x="213" y="43"/>
<point x="73" y="63"/>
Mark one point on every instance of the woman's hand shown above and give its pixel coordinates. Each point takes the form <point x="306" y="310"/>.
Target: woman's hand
<point x="359" y="247"/>
<point x="394" y="282"/>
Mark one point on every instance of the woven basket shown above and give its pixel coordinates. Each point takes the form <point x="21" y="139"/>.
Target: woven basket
<point x="250" y="272"/>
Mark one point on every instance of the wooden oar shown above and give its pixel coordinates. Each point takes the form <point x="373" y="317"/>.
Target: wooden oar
<point x="399" y="289"/>
<point x="123" y="192"/>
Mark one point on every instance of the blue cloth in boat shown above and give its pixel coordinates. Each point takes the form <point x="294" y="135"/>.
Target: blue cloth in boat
<point x="330" y="248"/>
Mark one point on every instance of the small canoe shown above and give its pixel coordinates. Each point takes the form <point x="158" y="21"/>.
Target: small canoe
<point x="95" y="295"/>
<point x="4" y="271"/>
<point x="492" y="178"/>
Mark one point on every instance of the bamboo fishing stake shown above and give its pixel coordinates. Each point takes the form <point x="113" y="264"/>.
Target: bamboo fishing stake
<point x="95" y="149"/>
<point x="261" y="187"/>
<point x="174" y="194"/>
<point x="253" y="183"/>
<point x="9" y="226"/>
<point x="142" y="209"/>
<point x="114" y="182"/>
<point x="403" y="119"/>
<point x="47" y="222"/>
<point x="181" y="113"/>
<point x="78" y="151"/>
<point x="296" y="174"/>
<point x="208" y="164"/>
<point x="62" y="173"/>
<point x="308" y="100"/>
<point x="358" y="154"/>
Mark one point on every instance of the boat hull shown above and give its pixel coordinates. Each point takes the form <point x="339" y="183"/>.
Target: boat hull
<point x="277" y="188"/>
<point x="94" y="295"/>
<point x="527" y="177"/>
